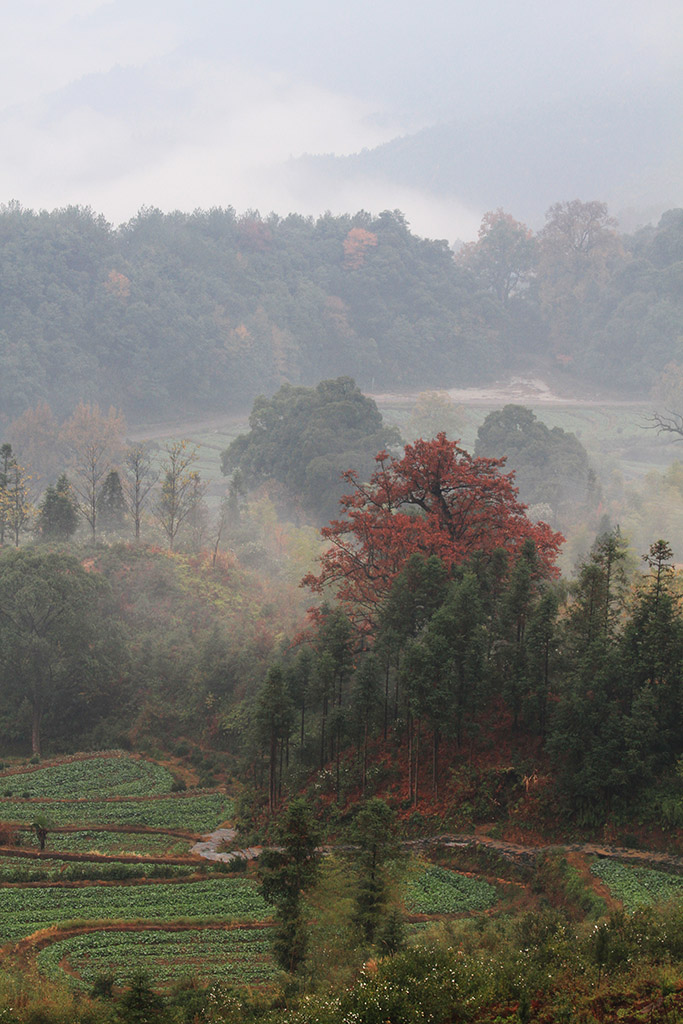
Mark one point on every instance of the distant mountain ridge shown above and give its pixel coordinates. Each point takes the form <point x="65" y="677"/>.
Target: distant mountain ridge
<point x="627" y="152"/>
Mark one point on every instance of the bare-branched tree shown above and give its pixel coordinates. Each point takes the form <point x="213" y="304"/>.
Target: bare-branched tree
<point x="140" y="477"/>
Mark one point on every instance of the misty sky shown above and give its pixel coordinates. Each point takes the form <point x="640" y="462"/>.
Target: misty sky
<point x="180" y="105"/>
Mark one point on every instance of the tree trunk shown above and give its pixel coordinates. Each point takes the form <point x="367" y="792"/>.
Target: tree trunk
<point x="396" y="691"/>
<point x="35" y="729"/>
<point x="435" y="762"/>
<point x="410" y="757"/>
<point x="417" y="764"/>
<point x="365" y="756"/>
<point x="322" y="734"/>
<point x="272" y="773"/>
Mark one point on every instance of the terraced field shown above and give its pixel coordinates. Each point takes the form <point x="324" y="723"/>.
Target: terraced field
<point x="115" y="775"/>
<point x="93" y="883"/>
<point x="110" y="843"/>
<point x="236" y="956"/>
<point x="115" y="891"/>
<point x="196" y="812"/>
<point x="638" y="886"/>
<point x="113" y="789"/>
<point x="436" y="890"/>
<point x="27" y="910"/>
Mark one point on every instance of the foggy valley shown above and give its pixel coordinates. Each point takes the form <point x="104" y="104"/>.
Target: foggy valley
<point x="341" y="513"/>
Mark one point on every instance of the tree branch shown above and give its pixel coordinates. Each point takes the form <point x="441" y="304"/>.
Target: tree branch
<point x="666" y="423"/>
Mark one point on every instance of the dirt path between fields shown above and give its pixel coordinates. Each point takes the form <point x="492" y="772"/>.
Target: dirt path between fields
<point x="210" y="845"/>
<point x="528" y="854"/>
<point x="579" y="862"/>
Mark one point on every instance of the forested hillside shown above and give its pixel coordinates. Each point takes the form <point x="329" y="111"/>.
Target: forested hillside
<point x="203" y="311"/>
<point x="448" y="703"/>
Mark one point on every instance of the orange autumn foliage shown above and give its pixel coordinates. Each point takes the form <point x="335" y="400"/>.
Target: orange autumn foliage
<point x="435" y="500"/>
<point x="356" y="244"/>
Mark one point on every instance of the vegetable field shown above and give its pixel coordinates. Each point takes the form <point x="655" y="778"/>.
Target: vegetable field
<point x="435" y="890"/>
<point x="115" y="789"/>
<point x="87" y="912"/>
<point x="235" y="956"/>
<point x="115" y="775"/>
<point x="111" y="844"/>
<point x="198" y="812"/>
<point x="118" y="910"/>
<point x="24" y="911"/>
<point x="636" y="886"/>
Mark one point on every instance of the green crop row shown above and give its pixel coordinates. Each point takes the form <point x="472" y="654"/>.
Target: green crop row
<point x="96" y="776"/>
<point x="196" y="812"/>
<point x="114" y="844"/>
<point x="435" y="890"/>
<point x="21" y="869"/>
<point x="237" y="956"/>
<point x="636" y="886"/>
<point x="24" y="911"/>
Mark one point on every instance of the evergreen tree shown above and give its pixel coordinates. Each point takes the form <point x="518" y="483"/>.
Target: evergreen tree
<point x="287" y="869"/>
<point x="653" y="652"/>
<point x="372" y="832"/>
<point x="334" y="663"/>
<point x="365" y="701"/>
<point x="517" y="604"/>
<point x="419" y="589"/>
<point x="111" y="504"/>
<point x="57" y="513"/>
<point x="140" y="1004"/>
<point x="591" y="736"/>
<point x="542" y="653"/>
<point x="299" y="683"/>
<point x="274" y="714"/>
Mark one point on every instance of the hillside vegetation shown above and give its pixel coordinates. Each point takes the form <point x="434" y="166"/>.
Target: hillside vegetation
<point x="203" y="311"/>
<point x="466" y="732"/>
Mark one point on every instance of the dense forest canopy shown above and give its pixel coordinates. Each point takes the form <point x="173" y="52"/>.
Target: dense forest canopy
<point x="205" y="310"/>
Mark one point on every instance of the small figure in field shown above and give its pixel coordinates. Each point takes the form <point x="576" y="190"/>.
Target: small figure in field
<point x="41" y="832"/>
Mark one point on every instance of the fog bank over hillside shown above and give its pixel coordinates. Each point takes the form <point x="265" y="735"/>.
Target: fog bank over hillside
<point x="461" y="108"/>
<point x="625" y="150"/>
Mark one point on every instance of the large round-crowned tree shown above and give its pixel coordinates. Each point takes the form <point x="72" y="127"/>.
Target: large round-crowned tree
<point x="60" y="651"/>
<point x="303" y="439"/>
<point x="435" y="500"/>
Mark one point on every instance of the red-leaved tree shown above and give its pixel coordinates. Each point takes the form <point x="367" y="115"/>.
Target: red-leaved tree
<point x="435" y="500"/>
